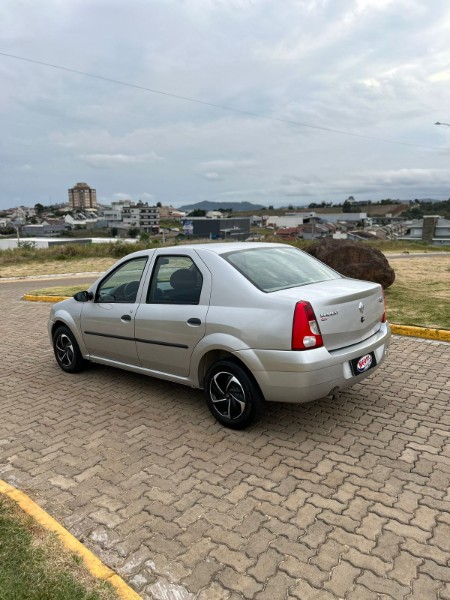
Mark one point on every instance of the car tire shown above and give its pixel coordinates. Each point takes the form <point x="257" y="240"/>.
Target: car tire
<point x="67" y="351"/>
<point x="233" y="397"/>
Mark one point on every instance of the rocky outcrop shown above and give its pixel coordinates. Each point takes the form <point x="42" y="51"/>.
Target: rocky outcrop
<point x="354" y="259"/>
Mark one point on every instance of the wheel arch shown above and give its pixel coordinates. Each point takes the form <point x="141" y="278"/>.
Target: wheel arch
<point x="70" y="324"/>
<point x="213" y="356"/>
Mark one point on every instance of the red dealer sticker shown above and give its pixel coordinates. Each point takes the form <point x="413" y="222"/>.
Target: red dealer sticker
<point x="362" y="364"/>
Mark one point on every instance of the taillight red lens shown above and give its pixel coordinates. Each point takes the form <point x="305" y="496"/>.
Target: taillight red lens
<point x="305" y="328"/>
<point x="384" y="317"/>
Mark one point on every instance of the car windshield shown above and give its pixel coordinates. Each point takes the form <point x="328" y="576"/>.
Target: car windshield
<point x="272" y="269"/>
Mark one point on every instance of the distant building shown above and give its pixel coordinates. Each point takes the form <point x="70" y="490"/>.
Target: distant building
<point x="432" y="229"/>
<point x="81" y="220"/>
<point x="234" y="228"/>
<point x="113" y="214"/>
<point x="82" y="198"/>
<point x="291" y="220"/>
<point x="287" y="232"/>
<point x="315" y="231"/>
<point x="46" y="228"/>
<point x="169" y="212"/>
<point x="335" y="217"/>
<point x="142" y="216"/>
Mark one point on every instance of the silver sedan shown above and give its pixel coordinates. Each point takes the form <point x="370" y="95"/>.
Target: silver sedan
<point x="246" y="322"/>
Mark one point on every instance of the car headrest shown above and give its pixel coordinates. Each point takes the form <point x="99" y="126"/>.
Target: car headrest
<point x="182" y="279"/>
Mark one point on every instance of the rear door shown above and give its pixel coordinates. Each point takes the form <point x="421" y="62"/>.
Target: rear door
<point x="171" y="319"/>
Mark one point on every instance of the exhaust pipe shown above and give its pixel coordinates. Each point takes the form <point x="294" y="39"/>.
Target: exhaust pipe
<point x="333" y="394"/>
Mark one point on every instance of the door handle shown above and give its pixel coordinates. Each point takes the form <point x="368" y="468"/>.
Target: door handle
<point x="194" y="321"/>
<point x="125" y="318"/>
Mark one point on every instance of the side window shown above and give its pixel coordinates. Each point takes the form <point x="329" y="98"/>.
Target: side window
<point x="175" y="280"/>
<point x="122" y="284"/>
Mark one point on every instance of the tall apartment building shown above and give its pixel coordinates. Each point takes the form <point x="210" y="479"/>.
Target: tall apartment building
<point x="82" y="197"/>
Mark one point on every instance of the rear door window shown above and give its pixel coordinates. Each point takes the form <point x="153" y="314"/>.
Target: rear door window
<point x="175" y="280"/>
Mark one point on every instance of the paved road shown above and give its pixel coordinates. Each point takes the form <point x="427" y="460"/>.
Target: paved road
<point x="349" y="499"/>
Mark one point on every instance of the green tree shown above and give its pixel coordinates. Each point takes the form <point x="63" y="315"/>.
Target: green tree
<point x="198" y="212"/>
<point x="39" y="208"/>
<point x="133" y="232"/>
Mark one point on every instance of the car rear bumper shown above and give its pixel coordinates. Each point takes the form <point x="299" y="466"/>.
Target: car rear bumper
<point x="302" y="376"/>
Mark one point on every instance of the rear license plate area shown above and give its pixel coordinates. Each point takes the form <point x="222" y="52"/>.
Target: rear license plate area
<point x="363" y="363"/>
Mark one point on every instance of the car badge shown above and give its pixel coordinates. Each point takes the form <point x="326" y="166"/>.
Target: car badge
<point x="324" y="316"/>
<point x="361" y="307"/>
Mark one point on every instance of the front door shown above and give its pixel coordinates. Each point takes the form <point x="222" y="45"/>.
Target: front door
<point x="107" y="323"/>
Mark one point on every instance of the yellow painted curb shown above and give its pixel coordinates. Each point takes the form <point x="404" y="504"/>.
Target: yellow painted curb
<point x="441" y="335"/>
<point x="33" y="298"/>
<point x="93" y="564"/>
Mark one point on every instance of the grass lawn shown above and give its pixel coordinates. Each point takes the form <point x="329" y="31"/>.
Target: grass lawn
<point x="35" y="566"/>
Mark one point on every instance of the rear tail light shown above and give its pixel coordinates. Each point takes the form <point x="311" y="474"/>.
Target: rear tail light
<point x="384" y="317"/>
<point x="305" y="329"/>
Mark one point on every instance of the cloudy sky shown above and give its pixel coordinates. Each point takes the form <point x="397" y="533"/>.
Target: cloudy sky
<point x="293" y="101"/>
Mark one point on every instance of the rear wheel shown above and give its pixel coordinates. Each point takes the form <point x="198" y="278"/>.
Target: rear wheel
<point x="67" y="351"/>
<point x="232" y="396"/>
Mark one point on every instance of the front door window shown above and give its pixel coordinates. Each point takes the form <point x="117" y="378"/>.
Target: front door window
<point x="122" y="285"/>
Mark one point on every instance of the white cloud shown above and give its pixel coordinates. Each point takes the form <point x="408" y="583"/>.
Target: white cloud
<point x="112" y="161"/>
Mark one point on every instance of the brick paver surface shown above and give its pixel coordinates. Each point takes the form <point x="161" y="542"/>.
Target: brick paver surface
<point x="346" y="499"/>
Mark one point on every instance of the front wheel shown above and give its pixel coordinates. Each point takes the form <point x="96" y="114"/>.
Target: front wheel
<point x="67" y="351"/>
<point x="232" y="396"/>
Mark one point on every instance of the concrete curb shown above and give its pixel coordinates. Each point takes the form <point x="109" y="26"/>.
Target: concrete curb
<point x="439" y="335"/>
<point x="33" y="298"/>
<point x="93" y="564"/>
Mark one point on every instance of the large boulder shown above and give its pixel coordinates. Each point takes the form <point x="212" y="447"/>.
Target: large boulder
<point x="354" y="259"/>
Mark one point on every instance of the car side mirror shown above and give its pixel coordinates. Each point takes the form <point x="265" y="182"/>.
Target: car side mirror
<point x="84" y="296"/>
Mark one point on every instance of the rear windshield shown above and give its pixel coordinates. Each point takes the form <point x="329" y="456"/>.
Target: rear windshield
<point x="272" y="269"/>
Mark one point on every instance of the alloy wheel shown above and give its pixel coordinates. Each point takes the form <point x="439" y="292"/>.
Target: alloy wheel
<point x="227" y="395"/>
<point x="64" y="350"/>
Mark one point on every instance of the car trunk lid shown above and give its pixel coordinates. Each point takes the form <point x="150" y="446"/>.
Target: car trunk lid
<point x="348" y="311"/>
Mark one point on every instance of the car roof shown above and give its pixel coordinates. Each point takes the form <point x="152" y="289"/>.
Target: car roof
<point x="217" y="248"/>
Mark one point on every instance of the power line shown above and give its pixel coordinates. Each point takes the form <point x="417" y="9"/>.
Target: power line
<point x="213" y="105"/>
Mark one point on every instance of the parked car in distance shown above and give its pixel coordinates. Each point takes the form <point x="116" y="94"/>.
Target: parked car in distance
<point x="246" y="322"/>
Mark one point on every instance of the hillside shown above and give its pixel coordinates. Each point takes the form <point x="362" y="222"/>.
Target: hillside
<point x="234" y="206"/>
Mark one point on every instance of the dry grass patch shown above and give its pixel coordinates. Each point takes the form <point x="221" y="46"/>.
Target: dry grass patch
<point x="52" y="267"/>
<point x="420" y="295"/>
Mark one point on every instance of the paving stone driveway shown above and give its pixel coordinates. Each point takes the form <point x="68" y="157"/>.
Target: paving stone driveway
<point x="347" y="499"/>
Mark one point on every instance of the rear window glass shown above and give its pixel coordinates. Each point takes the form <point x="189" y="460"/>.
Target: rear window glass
<point x="272" y="269"/>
